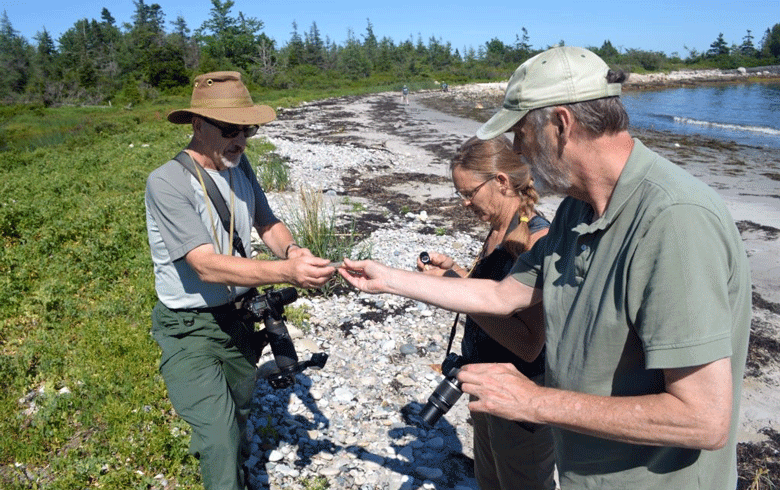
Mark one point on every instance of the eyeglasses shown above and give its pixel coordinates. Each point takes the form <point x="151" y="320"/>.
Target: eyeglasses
<point x="230" y="131"/>
<point x="469" y="195"/>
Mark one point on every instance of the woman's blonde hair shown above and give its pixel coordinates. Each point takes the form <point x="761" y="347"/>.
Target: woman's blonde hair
<point x="486" y="158"/>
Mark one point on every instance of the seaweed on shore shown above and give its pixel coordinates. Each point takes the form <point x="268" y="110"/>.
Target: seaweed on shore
<point x="759" y="463"/>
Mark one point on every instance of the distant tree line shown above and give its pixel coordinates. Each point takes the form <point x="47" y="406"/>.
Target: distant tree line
<point x="98" y="60"/>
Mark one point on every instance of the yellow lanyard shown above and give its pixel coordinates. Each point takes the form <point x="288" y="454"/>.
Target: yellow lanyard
<point x="211" y="214"/>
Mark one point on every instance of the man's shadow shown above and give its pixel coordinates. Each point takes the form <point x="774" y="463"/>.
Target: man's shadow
<point x="421" y="455"/>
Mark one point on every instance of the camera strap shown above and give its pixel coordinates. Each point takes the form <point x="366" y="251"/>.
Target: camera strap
<point x="211" y="189"/>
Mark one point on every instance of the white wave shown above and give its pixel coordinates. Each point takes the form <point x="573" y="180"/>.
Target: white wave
<point x="732" y="127"/>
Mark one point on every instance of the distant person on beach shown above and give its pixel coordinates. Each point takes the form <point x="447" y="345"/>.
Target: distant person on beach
<point x="405" y="95"/>
<point x="645" y="286"/>
<point x="202" y="272"/>
<point x="445" y="87"/>
<point x="496" y="186"/>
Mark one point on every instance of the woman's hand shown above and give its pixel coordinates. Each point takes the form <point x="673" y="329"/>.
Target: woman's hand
<point x="366" y="275"/>
<point x="438" y="265"/>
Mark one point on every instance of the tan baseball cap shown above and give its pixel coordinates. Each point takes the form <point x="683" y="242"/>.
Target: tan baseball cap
<point x="221" y="95"/>
<point x="558" y="76"/>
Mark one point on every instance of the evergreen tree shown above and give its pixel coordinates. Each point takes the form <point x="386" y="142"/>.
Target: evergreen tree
<point x="352" y="59"/>
<point x="44" y="82"/>
<point x="747" y="48"/>
<point x="295" y="49"/>
<point x="607" y="51"/>
<point x="106" y="17"/>
<point x="313" y="47"/>
<point x="181" y="38"/>
<point x="718" y="47"/>
<point x="229" y="41"/>
<point x="14" y="60"/>
<point x="496" y="52"/>
<point x="522" y="47"/>
<point x="770" y="45"/>
<point x="370" y="44"/>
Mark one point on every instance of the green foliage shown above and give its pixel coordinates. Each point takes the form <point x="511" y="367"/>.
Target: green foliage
<point x="75" y="294"/>
<point x="273" y="172"/>
<point x="771" y="42"/>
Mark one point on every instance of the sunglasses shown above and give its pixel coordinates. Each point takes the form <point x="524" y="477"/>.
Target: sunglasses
<point x="469" y="195"/>
<point x="230" y="131"/>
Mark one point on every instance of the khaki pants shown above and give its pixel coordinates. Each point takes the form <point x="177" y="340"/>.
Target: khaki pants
<point x="509" y="456"/>
<point x="209" y="370"/>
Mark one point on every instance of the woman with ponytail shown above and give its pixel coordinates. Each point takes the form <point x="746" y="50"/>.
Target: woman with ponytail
<point x="493" y="183"/>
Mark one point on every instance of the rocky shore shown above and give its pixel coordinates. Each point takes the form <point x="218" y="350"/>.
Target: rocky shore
<point x="383" y="166"/>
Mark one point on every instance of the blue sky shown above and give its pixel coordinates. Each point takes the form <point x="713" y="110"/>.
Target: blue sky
<point x="657" y="25"/>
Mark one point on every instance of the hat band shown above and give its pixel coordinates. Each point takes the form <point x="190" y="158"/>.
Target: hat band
<point x="222" y="103"/>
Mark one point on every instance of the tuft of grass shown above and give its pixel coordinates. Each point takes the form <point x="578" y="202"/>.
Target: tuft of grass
<point x="273" y="172"/>
<point x="314" y="225"/>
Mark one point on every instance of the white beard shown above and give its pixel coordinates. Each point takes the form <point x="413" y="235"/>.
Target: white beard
<point x="229" y="163"/>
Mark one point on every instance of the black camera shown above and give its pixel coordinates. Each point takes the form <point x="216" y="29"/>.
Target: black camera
<point x="446" y="394"/>
<point x="425" y="258"/>
<point x="269" y="308"/>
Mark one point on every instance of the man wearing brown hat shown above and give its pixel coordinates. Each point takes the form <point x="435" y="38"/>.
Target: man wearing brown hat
<point x="645" y="286"/>
<point x="203" y="268"/>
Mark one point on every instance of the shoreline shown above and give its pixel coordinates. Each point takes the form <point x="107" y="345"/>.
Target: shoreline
<point x="391" y="160"/>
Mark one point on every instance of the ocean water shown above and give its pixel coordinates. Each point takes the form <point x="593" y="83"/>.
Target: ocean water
<point x="747" y="114"/>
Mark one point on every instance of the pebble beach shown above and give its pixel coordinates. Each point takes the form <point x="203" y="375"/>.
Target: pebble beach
<point x="383" y="167"/>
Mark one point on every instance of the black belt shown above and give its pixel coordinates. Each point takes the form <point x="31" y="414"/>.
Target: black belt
<point x="230" y="307"/>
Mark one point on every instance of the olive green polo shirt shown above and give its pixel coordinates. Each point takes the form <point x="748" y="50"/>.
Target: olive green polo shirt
<point x="661" y="280"/>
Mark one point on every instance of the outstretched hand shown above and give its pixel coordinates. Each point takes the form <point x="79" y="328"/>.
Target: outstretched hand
<point x="366" y="275"/>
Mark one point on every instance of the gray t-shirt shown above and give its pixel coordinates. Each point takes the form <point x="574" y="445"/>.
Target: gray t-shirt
<point x="178" y="220"/>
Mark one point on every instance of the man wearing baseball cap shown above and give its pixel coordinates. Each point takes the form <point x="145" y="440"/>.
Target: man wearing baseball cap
<point x="203" y="268"/>
<point x="645" y="287"/>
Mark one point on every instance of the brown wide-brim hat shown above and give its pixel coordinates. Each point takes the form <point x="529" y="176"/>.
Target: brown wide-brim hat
<point x="221" y="95"/>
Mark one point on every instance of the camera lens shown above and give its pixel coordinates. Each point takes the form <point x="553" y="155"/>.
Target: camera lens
<point x="425" y="258"/>
<point x="442" y="399"/>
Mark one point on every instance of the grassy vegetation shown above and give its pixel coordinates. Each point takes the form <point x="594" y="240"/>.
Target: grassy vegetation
<point x="81" y="400"/>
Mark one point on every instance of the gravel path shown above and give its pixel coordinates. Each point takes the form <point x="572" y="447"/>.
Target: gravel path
<point x="354" y="422"/>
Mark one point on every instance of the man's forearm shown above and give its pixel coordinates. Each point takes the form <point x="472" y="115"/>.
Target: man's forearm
<point x="236" y="271"/>
<point x="694" y="411"/>
<point x="656" y="420"/>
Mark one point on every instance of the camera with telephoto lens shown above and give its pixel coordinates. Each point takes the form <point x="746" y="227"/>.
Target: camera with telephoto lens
<point x="446" y="394"/>
<point x="269" y="308"/>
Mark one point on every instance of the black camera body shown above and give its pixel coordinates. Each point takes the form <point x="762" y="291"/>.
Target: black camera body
<point x="446" y="394"/>
<point x="269" y="308"/>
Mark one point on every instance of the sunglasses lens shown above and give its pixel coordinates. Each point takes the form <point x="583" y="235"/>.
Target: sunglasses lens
<point x="230" y="131"/>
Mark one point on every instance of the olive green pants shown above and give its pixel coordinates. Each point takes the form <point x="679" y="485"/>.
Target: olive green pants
<point x="209" y="370"/>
